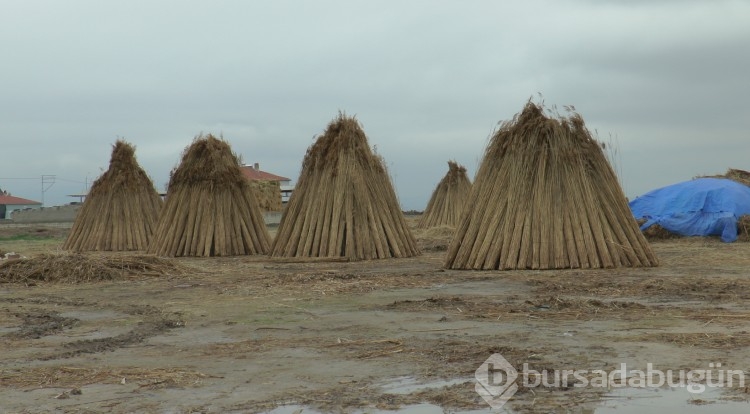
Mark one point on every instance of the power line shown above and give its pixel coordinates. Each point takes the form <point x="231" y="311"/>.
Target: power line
<point x="36" y="178"/>
<point x="70" y="181"/>
<point x="20" y="178"/>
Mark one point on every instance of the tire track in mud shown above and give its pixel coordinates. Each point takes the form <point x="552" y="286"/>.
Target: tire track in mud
<point x="155" y="323"/>
<point x="38" y="322"/>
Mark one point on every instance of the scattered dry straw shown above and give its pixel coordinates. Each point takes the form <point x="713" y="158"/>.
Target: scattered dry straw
<point x="539" y="307"/>
<point x="80" y="268"/>
<point x="681" y="286"/>
<point x="67" y="377"/>
<point x="704" y="340"/>
<point x="435" y="239"/>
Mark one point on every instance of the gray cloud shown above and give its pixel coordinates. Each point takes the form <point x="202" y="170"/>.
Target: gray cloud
<point x="428" y="80"/>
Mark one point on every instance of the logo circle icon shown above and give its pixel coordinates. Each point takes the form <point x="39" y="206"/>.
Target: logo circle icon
<point x="496" y="381"/>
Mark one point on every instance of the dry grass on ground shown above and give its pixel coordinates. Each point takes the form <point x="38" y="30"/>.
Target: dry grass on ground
<point x="74" y="377"/>
<point x="84" y="268"/>
<point x="702" y="340"/>
<point x="695" y="303"/>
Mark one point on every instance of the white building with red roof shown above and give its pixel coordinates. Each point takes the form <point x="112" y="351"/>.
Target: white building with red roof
<point x="253" y="172"/>
<point x="9" y="203"/>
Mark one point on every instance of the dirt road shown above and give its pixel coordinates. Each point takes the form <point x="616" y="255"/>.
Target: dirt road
<point x="248" y="334"/>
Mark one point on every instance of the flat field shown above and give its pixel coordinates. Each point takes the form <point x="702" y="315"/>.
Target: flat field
<point x="256" y="334"/>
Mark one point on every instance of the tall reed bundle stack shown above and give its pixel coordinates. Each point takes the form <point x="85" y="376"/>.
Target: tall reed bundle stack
<point x="344" y="204"/>
<point x="545" y="197"/>
<point x="267" y="193"/>
<point x="210" y="208"/>
<point x="448" y="199"/>
<point x="121" y="209"/>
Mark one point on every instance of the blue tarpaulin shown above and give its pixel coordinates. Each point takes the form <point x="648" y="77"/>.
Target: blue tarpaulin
<point x="700" y="207"/>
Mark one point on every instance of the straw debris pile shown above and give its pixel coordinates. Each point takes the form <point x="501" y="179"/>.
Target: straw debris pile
<point x="734" y="174"/>
<point x="210" y="208"/>
<point x="448" y="198"/>
<point x="344" y="204"/>
<point x="434" y="239"/>
<point x="267" y="193"/>
<point x="79" y="268"/>
<point x="545" y="197"/>
<point x="743" y="228"/>
<point x="657" y="232"/>
<point x="121" y="209"/>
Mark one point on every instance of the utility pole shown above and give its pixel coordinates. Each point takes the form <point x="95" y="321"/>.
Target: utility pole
<point x="48" y="180"/>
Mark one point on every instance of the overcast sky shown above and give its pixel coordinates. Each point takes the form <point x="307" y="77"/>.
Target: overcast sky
<point x="666" y="82"/>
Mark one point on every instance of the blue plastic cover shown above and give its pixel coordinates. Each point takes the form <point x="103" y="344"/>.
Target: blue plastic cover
<point x="700" y="207"/>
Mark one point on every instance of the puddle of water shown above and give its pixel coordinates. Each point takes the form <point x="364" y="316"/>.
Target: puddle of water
<point x="293" y="409"/>
<point x="407" y="409"/>
<point x="425" y="408"/>
<point x="621" y="401"/>
<point x="668" y="400"/>
<point x="407" y="385"/>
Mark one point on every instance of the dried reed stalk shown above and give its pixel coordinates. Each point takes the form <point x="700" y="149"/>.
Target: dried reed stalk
<point x="210" y="208"/>
<point x="448" y="199"/>
<point x="545" y="197"/>
<point x="268" y="194"/>
<point x="121" y="209"/>
<point x="344" y="204"/>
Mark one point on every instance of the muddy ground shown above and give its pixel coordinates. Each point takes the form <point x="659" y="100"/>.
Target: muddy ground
<point x="250" y="334"/>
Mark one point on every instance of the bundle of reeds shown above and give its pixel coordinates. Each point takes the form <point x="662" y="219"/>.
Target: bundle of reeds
<point x="121" y="209"/>
<point x="210" y="209"/>
<point x="545" y="197"/>
<point x="267" y="193"/>
<point x="448" y="199"/>
<point x="344" y="204"/>
<point x="734" y="174"/>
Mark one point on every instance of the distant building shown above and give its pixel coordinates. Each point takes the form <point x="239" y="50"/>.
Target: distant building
<point x="253" y="172"/>
<point x="9" y="203"/>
